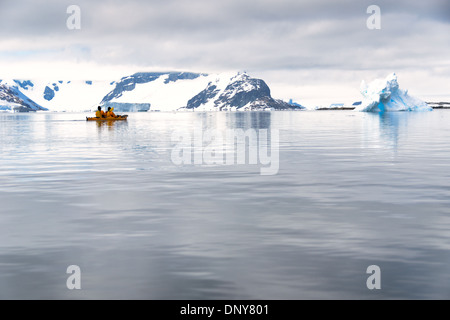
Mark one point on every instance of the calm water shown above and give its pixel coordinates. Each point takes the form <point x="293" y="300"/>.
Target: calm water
<point x="352" y="190"/>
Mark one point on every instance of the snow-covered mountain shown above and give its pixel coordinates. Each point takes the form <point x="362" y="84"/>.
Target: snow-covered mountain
<point x="238" y="92"/>
<point x="187" y="91"/>
<point x="163" y="91"/>
<point x="11" y="99"/>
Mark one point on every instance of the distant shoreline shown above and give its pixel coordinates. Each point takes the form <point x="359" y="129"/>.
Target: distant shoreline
<point x="439" y="105"/>
<point x="434" y="105"/>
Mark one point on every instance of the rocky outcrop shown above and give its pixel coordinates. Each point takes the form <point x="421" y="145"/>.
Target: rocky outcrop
<point x="13" y="100"/>
<point x="240" y="92"/>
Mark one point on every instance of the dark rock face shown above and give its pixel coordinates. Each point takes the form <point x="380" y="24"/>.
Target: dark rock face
<point x="49" y="94"/>
<point x="275" y="104"/>
<point x="129" y="83"/>
<point x="175" y="76"/>
<point x="24" y="84"/>
<point x="203" y="97"/>
<point x="13" y="95"/>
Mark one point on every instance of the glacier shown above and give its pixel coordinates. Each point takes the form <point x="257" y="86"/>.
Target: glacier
<point x="127" y="107"/>
<point x="61" y="95"/>
<point x="385" y="95"/>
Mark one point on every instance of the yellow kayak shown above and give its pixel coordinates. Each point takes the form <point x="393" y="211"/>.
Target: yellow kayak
<point x="124" y="117"/>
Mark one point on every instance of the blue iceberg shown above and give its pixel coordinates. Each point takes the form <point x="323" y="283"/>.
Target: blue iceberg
<point x="385" y="95"/>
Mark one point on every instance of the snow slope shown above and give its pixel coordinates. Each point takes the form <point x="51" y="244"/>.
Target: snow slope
<point x="385" y="95"/>
<point x="63" y="95"/>
<point x="164" y="91"/>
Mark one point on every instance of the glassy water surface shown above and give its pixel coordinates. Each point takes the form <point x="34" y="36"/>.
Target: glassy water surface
<point x="352" y="190"/>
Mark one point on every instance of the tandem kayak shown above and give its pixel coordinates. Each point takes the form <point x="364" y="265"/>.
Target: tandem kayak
<point x="124" y="117"/>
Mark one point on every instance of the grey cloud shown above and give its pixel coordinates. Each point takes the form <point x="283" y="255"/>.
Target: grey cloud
<point x="231" y="34"/>
<point x="23" y="17"/>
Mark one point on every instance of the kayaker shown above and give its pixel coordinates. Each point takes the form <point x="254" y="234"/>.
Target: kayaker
<point x="100" y="113"/>
<point x="110" y="113"/>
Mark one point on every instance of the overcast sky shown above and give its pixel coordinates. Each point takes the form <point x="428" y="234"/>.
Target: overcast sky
<point x="306" y="50"/>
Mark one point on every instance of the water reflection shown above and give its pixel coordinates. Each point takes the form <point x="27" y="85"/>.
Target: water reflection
<point x="390" y="127"/>
<point x="232" y="120"/>
<point x="111" y="124"/>
<point x="384" y="129"/>
<point x="249" y="120"/>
